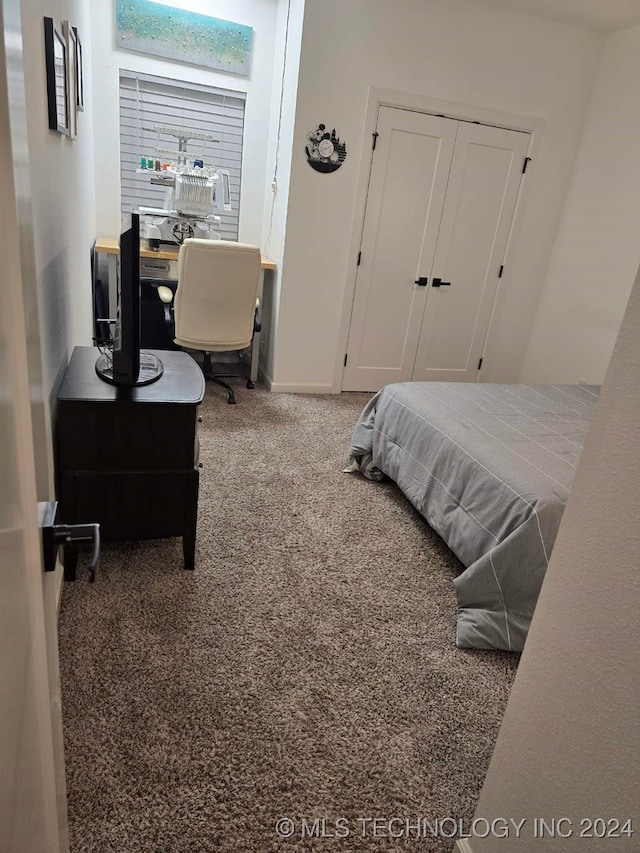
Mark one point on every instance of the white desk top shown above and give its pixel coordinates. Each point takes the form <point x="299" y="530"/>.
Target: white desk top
<point x="109" y="246"/>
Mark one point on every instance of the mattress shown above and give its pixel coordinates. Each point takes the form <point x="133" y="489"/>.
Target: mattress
<point x="490" y="468"/>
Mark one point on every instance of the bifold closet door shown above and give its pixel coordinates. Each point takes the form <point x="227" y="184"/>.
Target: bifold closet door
<point x="442" y="196"/>
<point x="406" y="196"/>
<point x="485" y="177"/>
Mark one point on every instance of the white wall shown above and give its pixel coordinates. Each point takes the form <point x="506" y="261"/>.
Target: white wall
<point x="597" y="250"/>
<point x="259" y="14"/>
<point x="569" y="744"/>
<point x="61" y="173"/>
<point x="453" y="50"/>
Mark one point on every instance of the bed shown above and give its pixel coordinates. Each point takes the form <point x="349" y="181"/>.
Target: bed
<point x="490" y="468"/>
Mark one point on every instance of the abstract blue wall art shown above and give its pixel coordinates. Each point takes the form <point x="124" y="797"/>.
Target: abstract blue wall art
<point x="150" y="27"/>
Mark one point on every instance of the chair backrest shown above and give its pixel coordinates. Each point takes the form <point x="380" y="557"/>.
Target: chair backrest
<point x="216" y="297"/>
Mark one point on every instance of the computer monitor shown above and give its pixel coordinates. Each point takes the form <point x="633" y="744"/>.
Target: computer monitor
<point x="124" y="363"/>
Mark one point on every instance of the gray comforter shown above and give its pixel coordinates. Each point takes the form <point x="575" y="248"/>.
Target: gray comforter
<point x="490" y="468"/>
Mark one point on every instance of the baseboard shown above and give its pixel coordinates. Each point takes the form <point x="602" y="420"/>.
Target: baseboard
<point x="265" y="379"/>
<point x="293" y="388"/>
<point x="463" y="846"/>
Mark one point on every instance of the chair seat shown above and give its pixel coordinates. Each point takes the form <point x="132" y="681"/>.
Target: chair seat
<point x="207" y="346"/>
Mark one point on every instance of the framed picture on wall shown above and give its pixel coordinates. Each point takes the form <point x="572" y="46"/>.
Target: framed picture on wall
<point x="177" y="34"/>
<point x="72" y="79"/>
<point x="79" y="72"/>
<point x="57" y="67"/>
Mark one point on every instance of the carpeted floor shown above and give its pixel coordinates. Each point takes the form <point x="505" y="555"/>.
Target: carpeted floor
<point x="306" y="669"/>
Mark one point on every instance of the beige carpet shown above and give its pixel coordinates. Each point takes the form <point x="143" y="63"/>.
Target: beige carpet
<point x="307" y="668"/>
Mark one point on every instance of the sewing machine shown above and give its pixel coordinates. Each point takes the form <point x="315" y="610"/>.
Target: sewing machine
<point x="194" y="194"/>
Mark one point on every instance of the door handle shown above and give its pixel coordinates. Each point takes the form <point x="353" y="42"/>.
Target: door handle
<point x="80" y="534"/>
<point x="438" y="282"/>
<point x="422" y="282"/>
<point x="54" y="535"/>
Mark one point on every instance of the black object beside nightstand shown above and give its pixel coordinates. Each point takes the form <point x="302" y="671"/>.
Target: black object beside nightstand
<point x="127" y="458"/>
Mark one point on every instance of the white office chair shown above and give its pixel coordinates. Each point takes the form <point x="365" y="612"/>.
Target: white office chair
<point x="215" y="305"/>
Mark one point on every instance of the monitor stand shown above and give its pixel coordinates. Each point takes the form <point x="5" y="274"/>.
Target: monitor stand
<point x="151" y="369"/>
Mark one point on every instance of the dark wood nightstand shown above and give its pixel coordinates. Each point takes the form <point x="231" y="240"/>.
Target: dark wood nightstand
<point x="128" y="457"/>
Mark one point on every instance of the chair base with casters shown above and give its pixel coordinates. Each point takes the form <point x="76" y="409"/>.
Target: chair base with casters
<point x="165" y="296"/>
<point x="219" y="378"/>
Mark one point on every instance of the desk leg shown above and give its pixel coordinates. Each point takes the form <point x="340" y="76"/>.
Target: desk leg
<point x="190" y="519"/>
<point x="255" y="355"/>
<point x="94" y="286"/>
<point x="255" y="346"/>
<point x="112" y="266"/>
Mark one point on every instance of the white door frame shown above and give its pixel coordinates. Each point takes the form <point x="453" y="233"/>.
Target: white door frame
<point x="32" y="790"/>
<point x="417" y="103"/>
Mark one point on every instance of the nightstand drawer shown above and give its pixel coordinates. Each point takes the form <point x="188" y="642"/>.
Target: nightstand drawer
<point x="125" y="436"/>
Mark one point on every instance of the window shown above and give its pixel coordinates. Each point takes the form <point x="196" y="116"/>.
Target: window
<point x="148" y="102"/>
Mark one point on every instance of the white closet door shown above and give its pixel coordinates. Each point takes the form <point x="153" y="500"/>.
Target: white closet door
<point x="406" y="195"/>
<point x="483" y="186"/>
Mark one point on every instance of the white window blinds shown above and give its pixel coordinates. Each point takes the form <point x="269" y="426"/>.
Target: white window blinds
<point x="147" y="102"/>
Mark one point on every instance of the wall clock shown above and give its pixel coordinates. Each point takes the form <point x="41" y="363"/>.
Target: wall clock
<point x="325" y="152"/>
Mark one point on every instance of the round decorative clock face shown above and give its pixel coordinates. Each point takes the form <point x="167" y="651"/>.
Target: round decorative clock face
<point x="325" y="152"/>
<point x="325" y="148"/>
